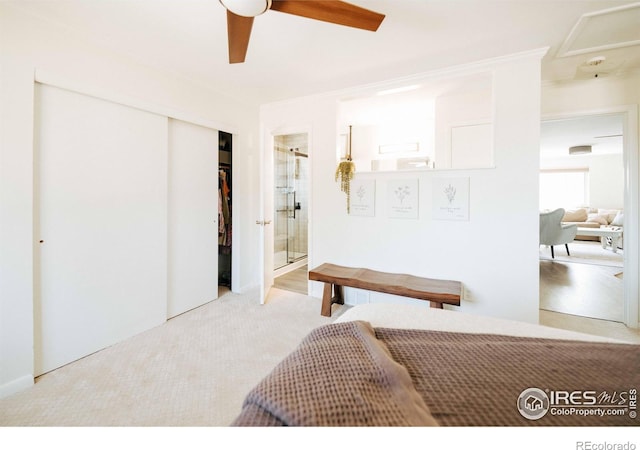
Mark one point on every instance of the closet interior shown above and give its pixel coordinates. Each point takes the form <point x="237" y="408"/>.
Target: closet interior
<point x="224" y="208"/>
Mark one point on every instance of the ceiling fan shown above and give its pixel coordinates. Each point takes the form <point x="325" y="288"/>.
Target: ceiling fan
<point x="240" y="15"/>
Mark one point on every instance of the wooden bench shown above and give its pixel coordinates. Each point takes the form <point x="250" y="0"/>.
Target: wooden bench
<point x="336" y="277"/>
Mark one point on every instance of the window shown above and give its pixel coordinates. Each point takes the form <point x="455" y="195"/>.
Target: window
<point x="564" y="188"/>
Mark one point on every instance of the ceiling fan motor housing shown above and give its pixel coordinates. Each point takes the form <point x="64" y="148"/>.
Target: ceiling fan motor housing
<point x="247" y="8"/>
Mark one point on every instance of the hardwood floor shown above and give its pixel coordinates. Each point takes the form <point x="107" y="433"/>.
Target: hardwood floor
<point x="586" y="290"/>
<point x="295" y="281"/>
<point x="585" y="296"/>
<point x="586" y="283"/>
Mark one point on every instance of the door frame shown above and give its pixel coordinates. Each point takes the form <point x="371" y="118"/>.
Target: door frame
<point x="267" y="202"/>
<point x="630" y="158"/>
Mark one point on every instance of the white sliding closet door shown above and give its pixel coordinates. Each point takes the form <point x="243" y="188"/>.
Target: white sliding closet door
<point x="193" y="216"/>
<point x="101" y="170"/>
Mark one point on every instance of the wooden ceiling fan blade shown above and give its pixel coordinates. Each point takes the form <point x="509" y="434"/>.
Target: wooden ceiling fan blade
<point x="238" y="34"/>
<point x="341" y="13"/>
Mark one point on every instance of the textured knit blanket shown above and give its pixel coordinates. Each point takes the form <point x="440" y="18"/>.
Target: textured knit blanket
<point x="350" y="374"/>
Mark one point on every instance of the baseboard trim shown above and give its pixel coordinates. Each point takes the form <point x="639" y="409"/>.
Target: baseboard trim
<point x="15" y="386"/>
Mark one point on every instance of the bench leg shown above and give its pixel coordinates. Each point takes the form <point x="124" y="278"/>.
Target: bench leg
<point x="437" y="305"/>
<point x="328" y="299"/>
<point x="339" y="297"/>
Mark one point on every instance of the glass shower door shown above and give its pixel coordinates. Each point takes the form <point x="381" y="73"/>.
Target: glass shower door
<point x="297" y="247"/>
<point x="290" y="227"/>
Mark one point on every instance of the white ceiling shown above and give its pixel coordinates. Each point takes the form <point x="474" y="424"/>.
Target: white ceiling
<point x="602" y="132"/>
<point x="291" y="56"/>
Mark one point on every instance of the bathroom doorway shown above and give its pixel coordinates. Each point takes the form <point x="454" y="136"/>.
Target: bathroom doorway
<point x="291" y="204"/>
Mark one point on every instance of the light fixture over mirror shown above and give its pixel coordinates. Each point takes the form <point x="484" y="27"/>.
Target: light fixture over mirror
<point x="247" y="8"/>
<point x="580" y="150"/>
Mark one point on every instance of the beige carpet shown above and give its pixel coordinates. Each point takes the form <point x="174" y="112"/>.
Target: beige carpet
<point x="194" y="370"/>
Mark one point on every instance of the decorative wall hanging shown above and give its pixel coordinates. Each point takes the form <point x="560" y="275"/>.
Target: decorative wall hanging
<point x="344" y="172"/>
<point x="363" y="197"/>
<point x="402" y="199"/>
<point x="451" y="198"/>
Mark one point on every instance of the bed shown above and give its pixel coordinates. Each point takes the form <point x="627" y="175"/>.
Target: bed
<point x="404" y="365"/>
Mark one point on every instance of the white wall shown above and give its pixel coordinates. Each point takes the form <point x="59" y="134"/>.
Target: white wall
<point x="606" y="182"/>
<point x="606" y="177"/>
<point x="500" y="273"/>
<point x="466" y="110"/>
<point x="33" y="49"/>
<point x="592" y="95"/>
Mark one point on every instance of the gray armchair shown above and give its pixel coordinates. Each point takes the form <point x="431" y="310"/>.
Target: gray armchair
<point x="553" y="232"/>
